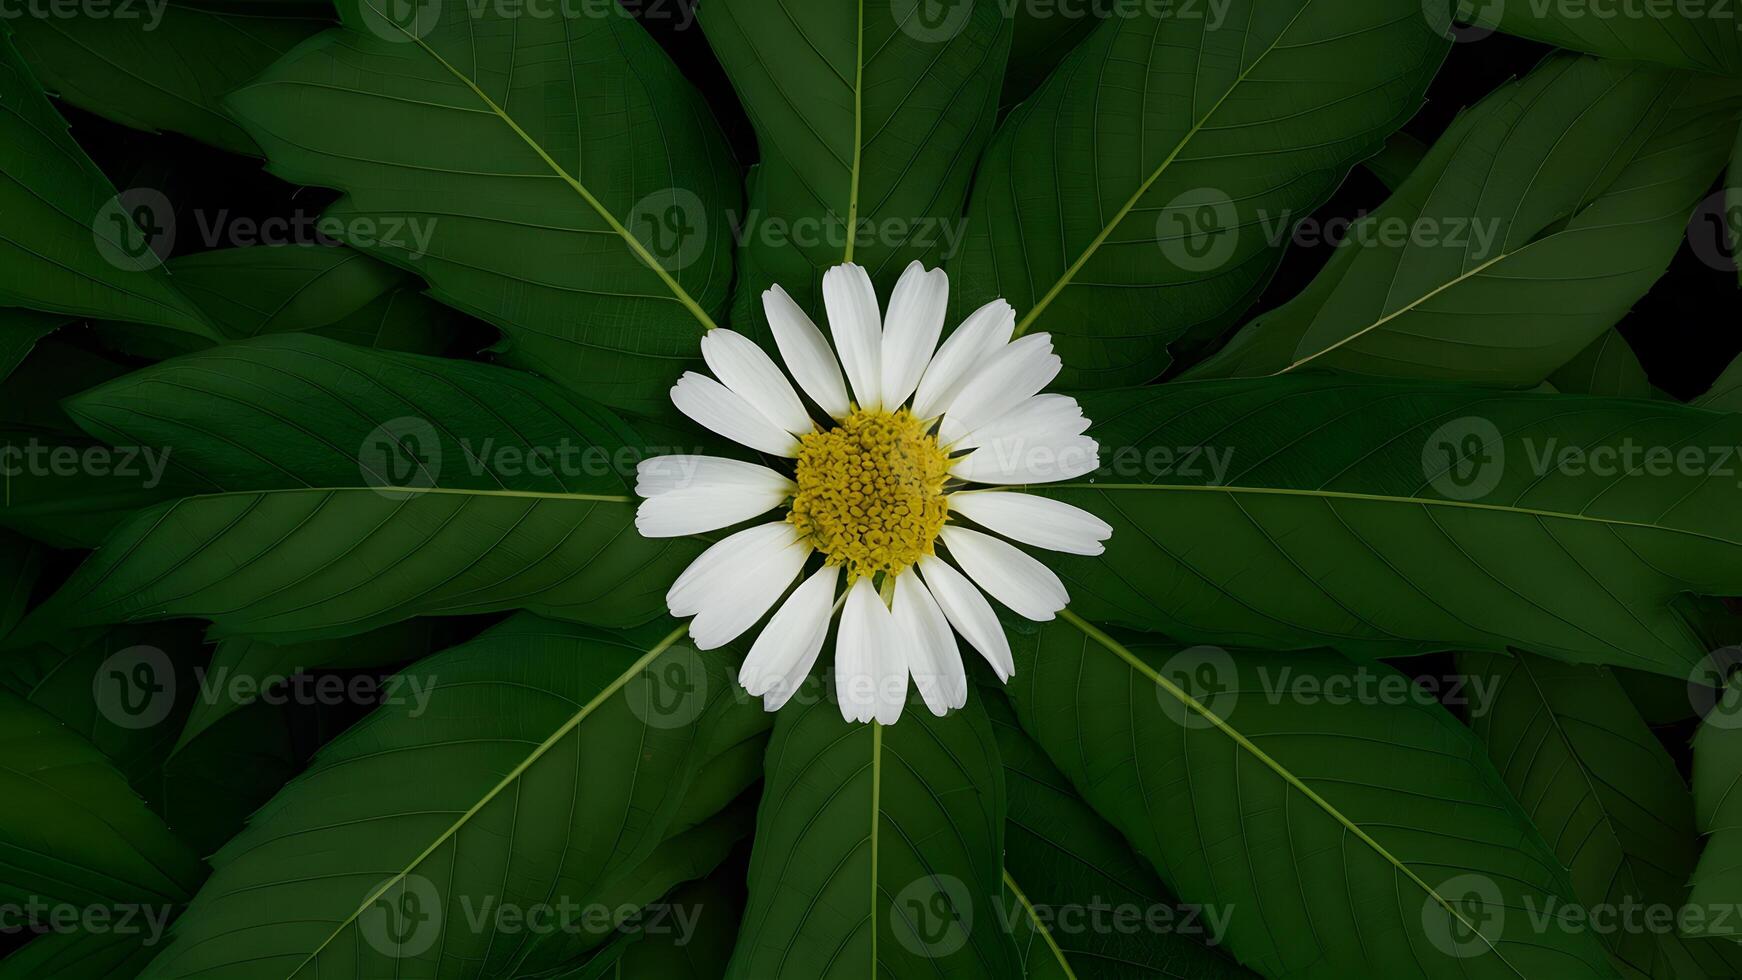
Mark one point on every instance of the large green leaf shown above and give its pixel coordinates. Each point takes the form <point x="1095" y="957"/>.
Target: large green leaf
<point x="1099" y="910"/>
<point x="72" y="833"/>
<point x="1717" y="877"/>
<point x="480" y="487"/>
<point x="554" y="175"/>
<point x="546" y="759"/>
<point x="1389" y="518"/>
<point x="71" y="245"/>
<point x="19" y="332"/>
<point x="79" y="956"/>
<point x="1144" y="193"/>
<point x="164" y="66"/>
<point x="335" y="292"/>
<point x="1681" y="35"/>
<point x="1607" y="367"/>
<point x="869" y="116"/>
<point x="1535" y="223"/>
<point x="878" y="849"/>
<point x="1603" y="790"/>
<point x="1363" y="836"/>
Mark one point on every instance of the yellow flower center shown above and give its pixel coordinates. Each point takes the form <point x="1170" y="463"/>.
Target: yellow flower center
<point x="870" y="492"/>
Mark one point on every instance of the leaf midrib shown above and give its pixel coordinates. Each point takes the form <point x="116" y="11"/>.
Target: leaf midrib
<point x="682" y="295"/>
<point x="1294" y="782"/>
<point x="575" y="720"/>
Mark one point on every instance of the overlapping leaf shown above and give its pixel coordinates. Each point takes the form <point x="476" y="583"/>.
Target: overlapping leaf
<point x="1387" y="518"/>
<point x="1143" y="194"/>
<point x="554" y="175"/>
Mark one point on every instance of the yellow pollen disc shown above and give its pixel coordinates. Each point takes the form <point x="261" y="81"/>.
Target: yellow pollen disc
<point x="871" y="492"/>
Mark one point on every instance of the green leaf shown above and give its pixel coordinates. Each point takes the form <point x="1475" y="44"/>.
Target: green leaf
<point x="334" y="292"/>
<point x="1598" y="783"/>
<point x="1607" y="367"/>
<point x="1725" y="395"/>
<point x="1144" y="193"/>
<point x="1701" y="36"/>
<point x="72" y="245"/>
<point x="19" y="332"/>
<point x="207" y="789"/>
<point x="1063" y="864"/>
<point x="1535" y="223"/>
<point x="72" y="833"/>
<point x="536" y="765"/>
<point x="1041" y="36"/>
<point x="20" y="565"/>
<point x="1391" y="518"/>
<point x="1363" y="837"/>
<point x="698" y="952"/>
<point x="869" y="117"/>
<point x="481" y="488"/>
<point x="877" y="849"/>
<point x="533" y="170"/>
<point x="79" y="956"/>
<point x="1717" y="877"/>
<point x="165" y="66"/>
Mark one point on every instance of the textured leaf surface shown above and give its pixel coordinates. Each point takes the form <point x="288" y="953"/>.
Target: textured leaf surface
<point x="1385" y="518"/>
<point x="1535" y="223"/>
<point x="1717" y="878"/>
<point x="877" y="849"/>
<point x="1125" y="204"/>
<point x="1604" y="792"/>
<point x="1350" y="838"/>
<point x="539" y="766"/>
<point x="572" y="185"/>
<point x="77" y="956"/>
<point x="164" y="67"/>
<point x="1607" y="367"/>
<point x="1103" y="912"/>
<point x="65" y="232"/>
<point x="869" y="116"/>
<point x="19" y="332"/>
<point x="1668" y="35"/>
<point x="1725" y="395"/>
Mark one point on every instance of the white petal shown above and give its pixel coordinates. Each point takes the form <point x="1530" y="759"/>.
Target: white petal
<point x="1009" y="573"/>
<point x="784" y="653"/>
<point x="910" y="331"/>
<point x="748" y="370"/>
<point x="736" y="605"/>
<point x="857" y="324"/>
<point x="1009" y="378"/>
<point x="1021" y="459"/>
<point x="969" y="613"/>
<point x="725" y="559"/>
<point x="663" y="474"/>
<point x="1036" y="520"/>
<point x="1054" y="417"/>
<point x="932" y="657"/>
<point x="698" y="509"/>
<point x="806" y="352"/>
<point x="870" y="670"/>
<point x="986" y="330"/>
<point x="722" y="410"/>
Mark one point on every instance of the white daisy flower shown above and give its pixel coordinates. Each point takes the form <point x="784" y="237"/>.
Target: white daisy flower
<point x="912" y="428"/>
